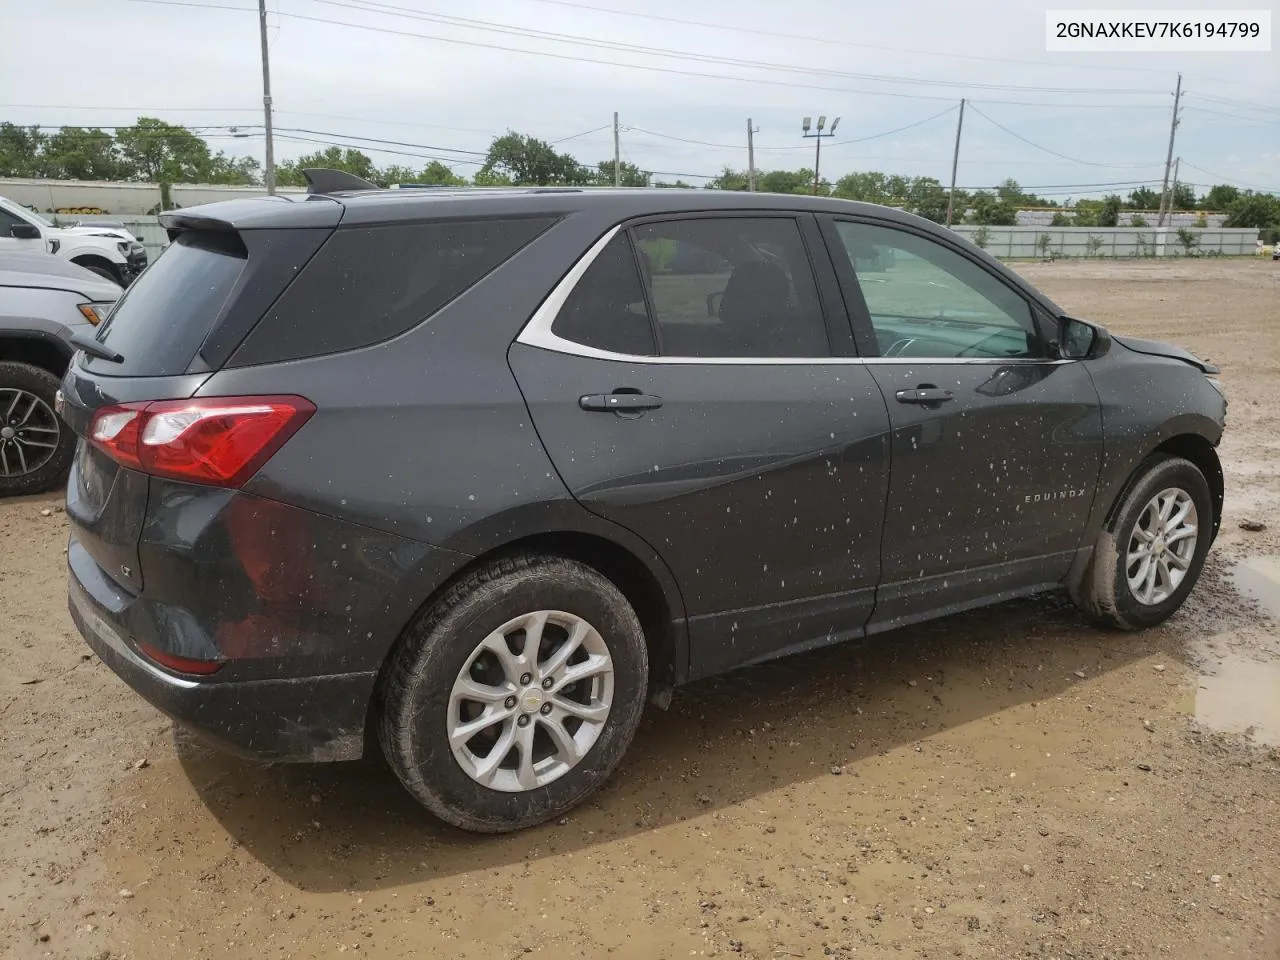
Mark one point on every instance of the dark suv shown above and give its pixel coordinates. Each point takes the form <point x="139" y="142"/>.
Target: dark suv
<point x="483" y="471"/>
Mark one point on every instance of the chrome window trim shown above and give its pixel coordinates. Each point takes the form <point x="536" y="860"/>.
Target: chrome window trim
<point x="537" y="333"/>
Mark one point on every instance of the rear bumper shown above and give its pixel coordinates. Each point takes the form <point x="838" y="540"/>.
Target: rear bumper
<point x="310" y="718"/>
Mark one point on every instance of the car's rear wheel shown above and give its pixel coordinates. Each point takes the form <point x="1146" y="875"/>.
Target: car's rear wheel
<point x="515" y="694"/>
<point x="35" y="445"/>
<point x="1149" y="557"/>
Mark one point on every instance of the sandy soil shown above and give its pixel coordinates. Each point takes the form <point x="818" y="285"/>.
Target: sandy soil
<point x="1008" y="783"/>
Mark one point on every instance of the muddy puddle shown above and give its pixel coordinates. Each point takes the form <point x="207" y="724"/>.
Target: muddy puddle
<point x="1238" y="689"/>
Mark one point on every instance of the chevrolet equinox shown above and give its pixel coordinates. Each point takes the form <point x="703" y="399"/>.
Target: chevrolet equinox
<point x="475" y="474"/>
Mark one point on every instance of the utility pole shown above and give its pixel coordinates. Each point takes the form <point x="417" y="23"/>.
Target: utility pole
<point x="1168" y="162"/>
<point x="955" y="162"/>
<point x="819" y="136"/>
<point x="751" y="156"/>
<point x="617" y="150"/>
<point x="269" y="171"/>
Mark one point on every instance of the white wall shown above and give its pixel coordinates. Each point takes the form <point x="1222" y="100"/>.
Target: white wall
<point x="1115" y="241"/>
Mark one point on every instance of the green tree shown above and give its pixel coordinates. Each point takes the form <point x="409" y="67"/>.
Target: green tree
<point x="21" y="151"/>
<point x="1061" y="220"/>
<point x="678" y="185"/>
<point x="869" y="187"/>
<point x="629" y="175"/>
<point x="926" y="197"/>
<point x="790" y="181"/>
<point x="238" y="171"/>
<point x="981" y="237"/>
<point x="526" y="160"/>
<point x="1144" y="198"/>
<point x="434" y="173"/>
<point x="1184" y="197"/>
<point x="1220" y="197"/>
<point x="1251" y="209"/>
<point x="1010" y="192"/>
<point x="1188" y="240"/>
<point x="490" y="178"/>
<point x="355" y="162"/>
<point x="163" y="152"/>
<point x="989" y="210"/>
<point x="1137" y="221"/>
<point x="1109" y="212"/>
<point x="729" y="179"/>
<point x="77" y="153"/>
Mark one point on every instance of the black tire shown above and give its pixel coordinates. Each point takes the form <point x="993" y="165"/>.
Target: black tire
<point x="53" y="472"/>
<point x="1104" y="591"/>
<point x="105" y="272"/>
<point x="416" y="685"/>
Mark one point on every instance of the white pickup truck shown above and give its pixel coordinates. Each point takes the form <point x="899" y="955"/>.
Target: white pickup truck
<point x="108" y="250"/>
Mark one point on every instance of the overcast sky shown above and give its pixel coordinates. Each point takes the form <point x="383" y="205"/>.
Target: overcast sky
<point x="104" y="62"/>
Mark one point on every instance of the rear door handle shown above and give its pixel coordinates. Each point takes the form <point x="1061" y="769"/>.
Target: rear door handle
<point x="623" y="402"/>
<point x="923" y="394"/>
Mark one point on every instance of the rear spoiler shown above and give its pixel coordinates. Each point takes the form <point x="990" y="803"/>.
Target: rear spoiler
<point x="322" y="181"/>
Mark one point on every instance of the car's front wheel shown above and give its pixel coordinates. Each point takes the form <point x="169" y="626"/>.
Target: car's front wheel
<point x="515" y="694"/>
<point x="1149" y="557"/>
<point x="35" y="445"/>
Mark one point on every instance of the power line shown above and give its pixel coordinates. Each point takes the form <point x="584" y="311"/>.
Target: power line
<point x="775" y="35"/>
<point x="388" y="9"/>
<point x="652" y="68"/>
<point x="1236" y="103"/>
<point x="1233" y="116"/>
<point x="836" y="143"/>
<point x="1228" y="180"/>
<point x="1031" y="143"/>
<point x="584" y="133"/>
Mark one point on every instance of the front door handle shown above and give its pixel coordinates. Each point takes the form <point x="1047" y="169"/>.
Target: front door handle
<point x="620" y="402"/>
<point x="925" y="393"/>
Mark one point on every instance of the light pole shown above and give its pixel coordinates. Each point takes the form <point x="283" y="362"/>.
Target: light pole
<point x="818" y="136"/>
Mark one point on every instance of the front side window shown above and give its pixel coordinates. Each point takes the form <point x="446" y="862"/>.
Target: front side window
<point x="926" y="300"/>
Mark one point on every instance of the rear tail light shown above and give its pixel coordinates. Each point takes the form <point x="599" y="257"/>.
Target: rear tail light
<point x="222" y="441"/>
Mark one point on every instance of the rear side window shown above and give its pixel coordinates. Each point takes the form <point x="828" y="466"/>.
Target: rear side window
<point x="164" y="316"/>
<point x="368" y="284"/>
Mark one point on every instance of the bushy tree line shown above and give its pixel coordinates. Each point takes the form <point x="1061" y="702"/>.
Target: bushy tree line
<point x="158" y="152"/>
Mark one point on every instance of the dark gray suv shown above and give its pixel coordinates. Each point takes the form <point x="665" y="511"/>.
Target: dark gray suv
<point x="485" y="471"/>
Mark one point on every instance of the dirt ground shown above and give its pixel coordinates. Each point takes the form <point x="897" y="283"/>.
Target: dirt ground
<point x="1007" y="783"/>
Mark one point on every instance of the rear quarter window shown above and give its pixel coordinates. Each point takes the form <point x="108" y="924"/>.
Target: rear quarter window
<point x="369" y="284"/>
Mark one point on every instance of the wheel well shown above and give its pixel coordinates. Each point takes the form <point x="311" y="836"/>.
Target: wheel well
<point x="1193" y="447"/>
<point x="627" y="572"/>
<point x="630" y="575"/>
<point x="94" y="260"/>
<point x="1188" y="446"/>
<point x="36" y="351"/>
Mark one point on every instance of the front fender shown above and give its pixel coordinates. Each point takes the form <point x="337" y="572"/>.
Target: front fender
<point x="1149" y="403"/>
<point x="71" y="248"/>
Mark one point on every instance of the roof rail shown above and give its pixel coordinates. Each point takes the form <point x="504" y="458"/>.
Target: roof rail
<point x="322" y="181"/>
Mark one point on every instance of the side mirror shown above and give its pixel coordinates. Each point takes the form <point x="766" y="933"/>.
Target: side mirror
<point x="24" y="231"/>
<point x="713" y="303"/>
<point x="1078" y="340"/>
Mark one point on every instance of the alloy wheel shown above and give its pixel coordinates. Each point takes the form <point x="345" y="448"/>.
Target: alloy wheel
<point x="1161" y="546"/>
<point x="29" y="432"/>
<point x="531" y="701"/>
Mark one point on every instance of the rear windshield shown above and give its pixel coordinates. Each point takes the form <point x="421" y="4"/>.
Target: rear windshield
<point x="160" y="322"/>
